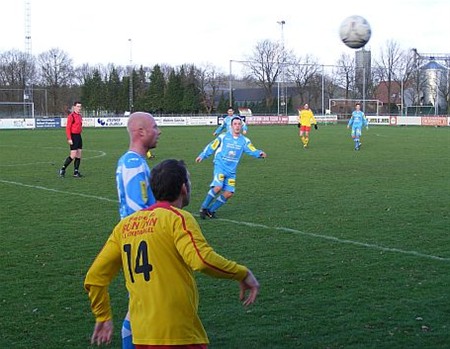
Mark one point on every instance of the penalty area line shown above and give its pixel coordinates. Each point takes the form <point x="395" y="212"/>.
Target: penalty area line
<point x="338" y="240"/>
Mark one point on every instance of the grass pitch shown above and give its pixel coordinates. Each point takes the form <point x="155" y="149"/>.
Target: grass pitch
<point x="351" y="248"/>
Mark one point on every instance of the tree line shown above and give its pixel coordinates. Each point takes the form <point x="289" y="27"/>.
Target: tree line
<point x="52" y="82"/>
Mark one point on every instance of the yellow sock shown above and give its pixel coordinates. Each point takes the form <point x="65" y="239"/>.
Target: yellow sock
<point x="303" y="139"/>
<point x="306" y="141"/>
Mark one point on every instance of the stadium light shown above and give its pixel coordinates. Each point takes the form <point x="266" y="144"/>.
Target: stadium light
<point x="130" y="92"/>
<point x="283" y="95"/>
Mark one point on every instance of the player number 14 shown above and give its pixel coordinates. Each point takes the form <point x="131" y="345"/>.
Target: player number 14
<point x="142" y="265"/>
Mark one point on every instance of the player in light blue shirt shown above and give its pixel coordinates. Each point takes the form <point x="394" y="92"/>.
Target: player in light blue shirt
<point x="133" y="180"/>
<point x="357" y="122"/>
<point x="226" y="124"/>
<point x="227" y="148"/>
<point x="133" y="187"/>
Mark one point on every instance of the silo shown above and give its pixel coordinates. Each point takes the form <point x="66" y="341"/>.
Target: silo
<point x="435" y="82"/>
<point x="363" y="69"/>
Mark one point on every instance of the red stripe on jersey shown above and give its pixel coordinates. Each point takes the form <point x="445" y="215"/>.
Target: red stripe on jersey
<point x="186" y="346"/>
<point x="167" y="206"/>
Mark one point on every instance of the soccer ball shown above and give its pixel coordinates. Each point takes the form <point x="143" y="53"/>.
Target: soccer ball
<point x="355" y="31"/>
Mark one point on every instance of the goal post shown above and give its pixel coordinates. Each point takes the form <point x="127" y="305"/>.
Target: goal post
<point x="345" y="106"/>
<point x="11" y="110"/>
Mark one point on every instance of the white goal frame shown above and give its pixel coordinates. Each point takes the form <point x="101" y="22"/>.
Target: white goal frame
<point x="354" y="101"/>
<point x="26" y="106"/>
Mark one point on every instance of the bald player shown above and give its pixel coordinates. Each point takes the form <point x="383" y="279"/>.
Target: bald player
<point x="133" y="180"/>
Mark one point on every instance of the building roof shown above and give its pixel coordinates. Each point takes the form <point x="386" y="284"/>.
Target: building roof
<point x="433" y="65"/>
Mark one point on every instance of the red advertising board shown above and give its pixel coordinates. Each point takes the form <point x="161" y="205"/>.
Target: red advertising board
<point x="434" y="121"/>
<point x="267" y="120"/>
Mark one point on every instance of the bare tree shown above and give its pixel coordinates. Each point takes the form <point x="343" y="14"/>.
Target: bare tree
<point x="265" y="64"/>
<point x="407" y="76"/>
<point x="331" y="87"/>
<point x="57" y="74"/>
<point x="389" y="69"/>
<point x="305" y="72"/>
<point x="83" y="73"/>
<point x="210" y="81"/>
<point x="346" y="74"/>
<point x="444" y="85"/>
<point x="17" y="71"/>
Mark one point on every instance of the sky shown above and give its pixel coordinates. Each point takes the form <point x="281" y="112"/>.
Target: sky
<point x="175" y="32"/>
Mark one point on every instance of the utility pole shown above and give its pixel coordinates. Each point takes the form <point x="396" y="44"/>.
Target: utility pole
<point x="28" y="86"/>
<point x="130" y="92"/>
<point x="281" y="89"/>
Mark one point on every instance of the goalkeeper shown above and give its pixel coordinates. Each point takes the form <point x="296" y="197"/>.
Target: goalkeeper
<point x="305" y="120"/>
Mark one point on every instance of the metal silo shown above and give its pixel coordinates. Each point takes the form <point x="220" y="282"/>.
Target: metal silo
<point x="435" y="82"/>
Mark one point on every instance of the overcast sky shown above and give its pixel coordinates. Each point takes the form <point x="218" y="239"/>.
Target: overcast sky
<point x="215" y="32"/>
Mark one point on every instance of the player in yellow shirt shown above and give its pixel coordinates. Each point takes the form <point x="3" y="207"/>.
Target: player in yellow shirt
<point x="158" y="249"/>
<point x="305" y="119"/>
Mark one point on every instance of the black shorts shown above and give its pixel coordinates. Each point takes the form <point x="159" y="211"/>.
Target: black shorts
<point x="77" y="141"/>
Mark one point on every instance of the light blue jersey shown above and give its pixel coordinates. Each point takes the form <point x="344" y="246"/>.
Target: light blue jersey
<point x="228" y="150"/>
<point x="226" y="125"/>
<point x="358" y="120"/>
<point x="133" y="183"/>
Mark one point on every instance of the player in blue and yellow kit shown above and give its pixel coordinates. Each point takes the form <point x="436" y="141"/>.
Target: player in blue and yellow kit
<point x="228" y="149"/>
<point x="158" y="250"/>
<point x="357" y="122"/>
<point x="226" y="125"/>
<point x="133" y="180"/>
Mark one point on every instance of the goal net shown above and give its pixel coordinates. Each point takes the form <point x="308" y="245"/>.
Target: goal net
<point x="12" y="110"/>
<point x="344" y="107"/>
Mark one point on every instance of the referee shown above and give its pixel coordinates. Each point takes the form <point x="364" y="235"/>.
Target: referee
<point x="74" y="128"/>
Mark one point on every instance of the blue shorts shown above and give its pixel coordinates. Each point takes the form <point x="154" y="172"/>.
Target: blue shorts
<point x="226" y="182"/>
<point x="356" y="131"/>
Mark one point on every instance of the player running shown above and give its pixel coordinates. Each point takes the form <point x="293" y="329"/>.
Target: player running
<point x="228" y="148"/>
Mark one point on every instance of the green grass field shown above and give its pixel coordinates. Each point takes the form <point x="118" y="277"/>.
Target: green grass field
<point x="352" y="249"/>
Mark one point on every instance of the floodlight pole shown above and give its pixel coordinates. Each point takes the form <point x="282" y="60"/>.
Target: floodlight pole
<point x="323" y="90"/>
<point x="130" y="92"/>
<point x="364" y="88"/>
<point x="282" y="23"/>
<point x="229" y="86"/>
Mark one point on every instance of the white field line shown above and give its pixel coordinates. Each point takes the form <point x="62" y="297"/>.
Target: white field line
<point x="261" y="226"/>
<point x="338" y="240"/>
<point x="100" y="154"/>
<point x="57" y="191"/>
